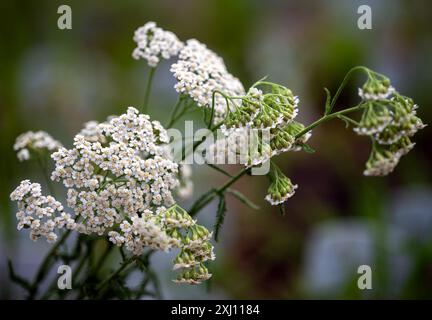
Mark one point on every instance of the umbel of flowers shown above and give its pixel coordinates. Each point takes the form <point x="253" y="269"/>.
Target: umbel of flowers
<point x="262" y="120"/>
<point x="154" y="43"/>
<point x="260" y="110"/>
<point x="390" y="120"/>
<point x="200" y="73"/>
<point x="34" y="142"/>
<point x="120" y="179"/>
<point x="43" y="215"/>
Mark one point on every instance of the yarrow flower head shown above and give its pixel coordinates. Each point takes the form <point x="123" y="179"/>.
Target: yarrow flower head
<point x="404" y="123"/>
<point x="143" y="231"/>
<point x="262" y="126"/>
<point x="154" y="43"/>
<point x="281" y="187"/>
<point x="118" y="168"/>
<point x="120" y="178"/>
<point x="34" y="142"/>
<point x="374" y="119"/>
<point x="263" y="110"/>
<point x="390" y="119"/>
<point x="200" y="73"/>
<point x="43" y="215"/>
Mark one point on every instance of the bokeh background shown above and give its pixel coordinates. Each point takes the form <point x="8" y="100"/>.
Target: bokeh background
<point x="56" y="80"/>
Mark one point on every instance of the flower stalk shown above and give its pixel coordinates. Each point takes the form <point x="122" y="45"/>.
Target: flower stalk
<point x="148" y="89"/>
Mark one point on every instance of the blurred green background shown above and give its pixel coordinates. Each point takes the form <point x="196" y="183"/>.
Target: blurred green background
<point x="55" y="80"/>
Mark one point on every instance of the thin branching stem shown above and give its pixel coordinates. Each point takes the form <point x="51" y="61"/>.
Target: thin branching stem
<point x="174" y="111"/>
<point x="148" y="89"/>
<point x="44" y="168"/>
<point x="128" y="263"/>
<point x="329" y="117"/>
<point x="343" y="84"/>
<point x="216" y="192"/>
<point x="45" y="265"/>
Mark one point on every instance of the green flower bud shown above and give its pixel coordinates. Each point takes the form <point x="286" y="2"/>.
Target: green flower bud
<point x="381" y="161"/>
<point x="377" y="87"/>
<point x="281" y="187"/>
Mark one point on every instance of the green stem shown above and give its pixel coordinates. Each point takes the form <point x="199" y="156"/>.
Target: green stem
<point x="343" y="84"/>
<point x="196" y="144"/>
<point x="204" y="202"/>
<point x="123" y="266"/>
<point x="213" y="106"/>
<point x="215" y="167"/>
<point x="95" y="271"/>
<point x="348" y="120"/>
<point x="230" y="182"/>
<point x="75" y="273"/>
<point x="327" y="118"/>
<point x="44" y="170"/>
<point x="103" y="258"/>
<point x="148" y="89"/>
<point x="174" y="111"/>
<point x="43" y="268"/>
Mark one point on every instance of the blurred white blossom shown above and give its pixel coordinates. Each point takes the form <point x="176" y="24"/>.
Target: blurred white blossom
<point x="200" y="72"/>
<point x="34" y="142"/>
<point x="154" y="43"/>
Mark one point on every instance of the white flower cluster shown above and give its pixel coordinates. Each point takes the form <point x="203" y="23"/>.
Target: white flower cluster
<point x="154" y="43"/>
<point x="93" y="132"/>
<point x="384" y="158"/>
<point x="117" y="170"/>
<point x="200" y="72"/>
<point x="143" y="231"/>
<point x="43" y="215"/>
<point x="121" y="178"/>
<point x="390" y="119"/>
<point x="34" y="141"/>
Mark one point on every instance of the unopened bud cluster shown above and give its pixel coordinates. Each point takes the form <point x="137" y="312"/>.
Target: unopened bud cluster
<point x="281" y="187"/>
<point x="390" y="120"/>
<point x="262" y="125"/>
<point x="259" y="110"/>
<point x="168" y="229"/>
